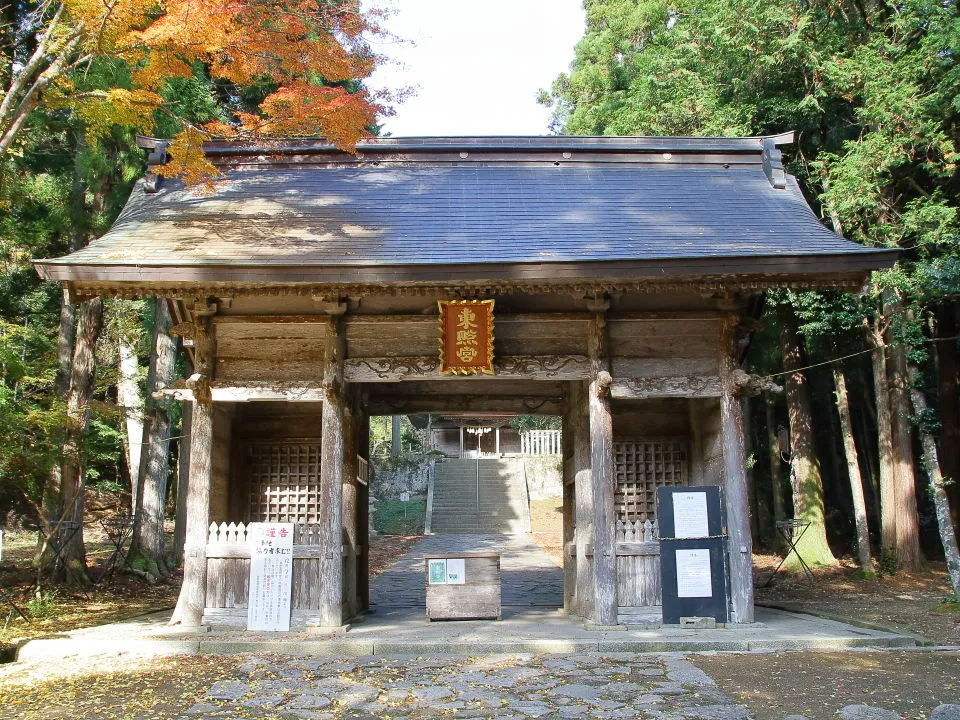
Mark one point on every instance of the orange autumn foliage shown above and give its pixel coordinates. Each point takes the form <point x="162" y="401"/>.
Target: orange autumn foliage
<point x="293" y="45"/>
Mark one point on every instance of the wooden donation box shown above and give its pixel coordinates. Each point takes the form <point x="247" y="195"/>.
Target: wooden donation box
<point x="463" y="587"/>
<point x="693" y="554"/>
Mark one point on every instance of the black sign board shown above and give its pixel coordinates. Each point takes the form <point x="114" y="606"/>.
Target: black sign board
<point x="693" y="553"/>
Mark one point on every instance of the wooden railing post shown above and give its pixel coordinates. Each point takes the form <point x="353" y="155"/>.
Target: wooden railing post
<point x="740" y="540"/>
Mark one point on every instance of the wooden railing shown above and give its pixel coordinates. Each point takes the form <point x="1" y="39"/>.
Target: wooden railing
<point x="637" y="531"/>
<point x="541" y="442"/>
<point x="638" y="564"/>
<point x="228" y="565"/>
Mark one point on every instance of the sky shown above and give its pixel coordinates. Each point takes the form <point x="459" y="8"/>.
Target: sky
<point x="476" y="67"/>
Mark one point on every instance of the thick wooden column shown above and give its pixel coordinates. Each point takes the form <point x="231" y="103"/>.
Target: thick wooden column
<point x="583" y="497"/>
<point x="601" y="464"/>
<point x="740" y="540"/>
<point x="363" y="511"/>
<point x="193" y="591"/>
<point x="569" y="504"/>
<point x="331" y="606"/>
<point x="350" y="509"/>
<point x="192" y="600"/>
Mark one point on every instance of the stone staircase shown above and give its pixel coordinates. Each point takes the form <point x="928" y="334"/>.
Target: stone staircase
<point x="502" y="508"/>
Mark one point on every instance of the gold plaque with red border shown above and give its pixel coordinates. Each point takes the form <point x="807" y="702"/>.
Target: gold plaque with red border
<point x="466" y="337"/>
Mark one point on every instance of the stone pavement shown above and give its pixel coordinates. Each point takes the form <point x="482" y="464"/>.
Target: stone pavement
<point x="529" y="576"/>
<point x="498" y="687"/>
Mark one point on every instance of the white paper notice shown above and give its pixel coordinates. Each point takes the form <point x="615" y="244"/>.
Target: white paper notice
<point x="693" y="574"/>
<point x="456" y="572"/>
<point x="690" y="515"/>
<point x="271" y="575"/>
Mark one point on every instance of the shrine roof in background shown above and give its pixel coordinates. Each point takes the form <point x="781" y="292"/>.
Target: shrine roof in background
<point x="467" y="209"/>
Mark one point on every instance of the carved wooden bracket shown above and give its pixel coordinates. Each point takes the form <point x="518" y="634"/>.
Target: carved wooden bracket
<point x="749" y="385"/>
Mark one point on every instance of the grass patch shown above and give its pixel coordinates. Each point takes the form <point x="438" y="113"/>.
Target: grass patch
<point x="389" y="517"/>
<point x="948" y="606"/>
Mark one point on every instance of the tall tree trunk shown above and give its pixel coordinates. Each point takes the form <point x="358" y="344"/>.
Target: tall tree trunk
<point x="804" y="466"/>
<point x="52" y="497"/>
<point x="773" y="457"/>
<point x="148" y="536"/>
<point x="946" y="354"/>
<point x="908" y="555"/>
<point x="888" y="483"/>
<point x="853" y="470"/>
<point x="752" y="495"/>
<point x="82" y="381"/>
<point x="948" y="535"/>
<point x="130" y="399"/>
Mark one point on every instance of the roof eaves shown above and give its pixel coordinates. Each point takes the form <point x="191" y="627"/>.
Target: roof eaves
<point x="863" y="260"/>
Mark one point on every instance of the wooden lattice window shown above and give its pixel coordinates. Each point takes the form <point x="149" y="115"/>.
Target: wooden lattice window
<point x="285" y="481"/>
<point x="640" y="467"/>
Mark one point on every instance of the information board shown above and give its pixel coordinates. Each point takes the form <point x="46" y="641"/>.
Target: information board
<point x="451" y="571"/>
<point x="693" y="553"/>
<point x="271" y="576"/>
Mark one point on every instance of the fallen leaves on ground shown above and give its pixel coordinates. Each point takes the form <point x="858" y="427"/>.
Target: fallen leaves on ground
<point x="109" y="688"/>
<point x="908" y="602"/>
<point x="818" y="684"/>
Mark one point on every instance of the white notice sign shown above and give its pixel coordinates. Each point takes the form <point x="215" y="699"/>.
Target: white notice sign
<point x="456" y="572"/>
<point x="693" y="574"/>
<point x="271" y="575"/>
<point x="690" y="515"/>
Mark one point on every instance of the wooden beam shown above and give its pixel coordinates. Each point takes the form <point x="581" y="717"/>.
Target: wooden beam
<point x="534" y="367"/>
<point x="661" y="387"/>
<point x="406" y="404"/>
<point x="601" y="464"/>
<point x="740" y="541"/>
<point x="330" y="602"/>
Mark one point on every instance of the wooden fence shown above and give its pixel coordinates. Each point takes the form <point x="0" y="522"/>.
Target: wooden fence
<point x="228" y="566"/>
<point x="638" y="564"/>
<point x="541" y="442"/>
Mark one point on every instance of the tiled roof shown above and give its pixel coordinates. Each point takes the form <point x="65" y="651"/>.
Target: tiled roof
<point x="405" y="209"/>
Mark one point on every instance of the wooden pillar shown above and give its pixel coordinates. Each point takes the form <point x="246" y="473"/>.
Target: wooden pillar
<point x="740" y="541"/>
<point x="331" y="606"/>
<point x="193" y="591"/>
<point x="183" y="481"/>
<point x="350" y="510"/>
<point x="583" y="496"/>
<point x="363" y="512"/>
<point x="601" y="464"/>
<point x="569" y="504"/>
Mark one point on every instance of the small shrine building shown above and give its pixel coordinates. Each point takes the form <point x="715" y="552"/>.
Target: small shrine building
<point x="626" y="275"/>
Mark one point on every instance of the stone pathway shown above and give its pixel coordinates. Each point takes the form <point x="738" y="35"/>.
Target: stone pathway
<point x="529" y="575"/>
<point x="498" y="687"/>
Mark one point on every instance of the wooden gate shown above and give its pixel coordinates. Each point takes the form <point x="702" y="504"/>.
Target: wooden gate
<point x="640" y="467"/>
